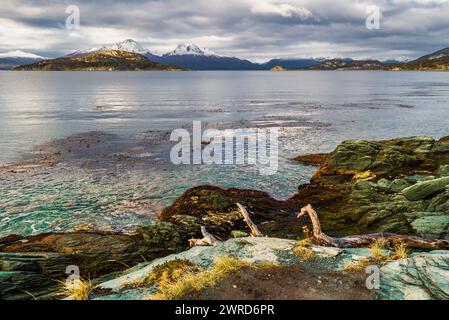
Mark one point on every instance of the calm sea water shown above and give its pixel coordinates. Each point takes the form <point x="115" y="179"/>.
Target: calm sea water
<point x="315" y="110"/>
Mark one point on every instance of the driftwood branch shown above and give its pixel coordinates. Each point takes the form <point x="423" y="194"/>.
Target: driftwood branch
<point x="207" y="240"/>
<point x="365" y="240"/>
<point x="251" y="225"/>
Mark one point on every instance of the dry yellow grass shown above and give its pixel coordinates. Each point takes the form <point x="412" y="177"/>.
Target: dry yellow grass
<point x="379" y="256"/>
<point x="194" y="282"/>
<point x="364" y="176"/>
<point x="77" y="289"/>
<point x="377" y="249"/>
<point x="357" y="265"/>
<point x="401" y="251"/>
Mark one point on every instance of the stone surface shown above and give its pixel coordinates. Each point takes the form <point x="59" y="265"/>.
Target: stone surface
<point x="421" y="277"/>
<point x="425" y="189"/>
<point x="436" y="226"/>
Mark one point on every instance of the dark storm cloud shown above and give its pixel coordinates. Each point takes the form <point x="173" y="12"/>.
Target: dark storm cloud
<point x="249" y="28"/>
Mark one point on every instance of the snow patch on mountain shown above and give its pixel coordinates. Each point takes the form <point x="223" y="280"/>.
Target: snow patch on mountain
<point x="20" y="54"/>
<point x="192" y="50"/>
<point x="128" y="45"/>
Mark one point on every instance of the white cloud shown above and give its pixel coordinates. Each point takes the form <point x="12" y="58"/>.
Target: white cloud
<point x="283" y="9"/>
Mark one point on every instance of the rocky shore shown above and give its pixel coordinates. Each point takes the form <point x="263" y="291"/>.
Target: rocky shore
<point x="399" y="186"/>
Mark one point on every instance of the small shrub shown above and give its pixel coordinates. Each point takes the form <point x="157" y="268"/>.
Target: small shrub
<point x="304" y="243"/>
<point x="304" y="253"/>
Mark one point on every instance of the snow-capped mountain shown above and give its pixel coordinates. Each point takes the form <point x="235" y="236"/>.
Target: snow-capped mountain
<point x="128" y="45"/>
<point x="10" y="59"/>
<point x="192" y="50"/>
<point x="80" y="53"/>
<point x="20" y="54"/>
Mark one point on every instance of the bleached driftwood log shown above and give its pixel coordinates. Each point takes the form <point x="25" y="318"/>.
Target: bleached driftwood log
<point x="252" y="226"/>
<point x="364" y="240"/>
<point x="207" y="240"/>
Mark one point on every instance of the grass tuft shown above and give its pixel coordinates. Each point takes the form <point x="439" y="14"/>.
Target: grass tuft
<point x="401" y="251"/>
<point x="77" y="289"/>
<point x="377" y="249"/>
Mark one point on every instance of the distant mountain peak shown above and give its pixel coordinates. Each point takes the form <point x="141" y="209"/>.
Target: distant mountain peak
<point x="191" y="49"/>
<point x="128" y="45"/>
<point x="20" y="54"/>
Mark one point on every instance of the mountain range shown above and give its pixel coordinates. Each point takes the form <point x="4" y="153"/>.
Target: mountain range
<point x="189" y="56"/>
<point x="186" y="56"/>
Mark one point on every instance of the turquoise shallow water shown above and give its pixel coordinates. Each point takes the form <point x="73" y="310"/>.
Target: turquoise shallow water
<point x="315" y="110"/>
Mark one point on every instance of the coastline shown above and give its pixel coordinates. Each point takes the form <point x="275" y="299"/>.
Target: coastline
<point x="351" y="194"/>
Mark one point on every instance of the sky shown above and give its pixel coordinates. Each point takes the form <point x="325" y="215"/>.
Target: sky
<point x="253" y="29"/>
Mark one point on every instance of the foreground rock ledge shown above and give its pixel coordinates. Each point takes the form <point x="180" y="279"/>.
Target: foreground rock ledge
<point x="421" y="276"/>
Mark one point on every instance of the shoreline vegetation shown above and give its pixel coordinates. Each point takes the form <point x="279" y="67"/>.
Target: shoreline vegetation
<point x="398" y="186"/>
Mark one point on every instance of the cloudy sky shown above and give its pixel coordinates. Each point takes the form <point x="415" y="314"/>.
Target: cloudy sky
<point x="254" y="29"/>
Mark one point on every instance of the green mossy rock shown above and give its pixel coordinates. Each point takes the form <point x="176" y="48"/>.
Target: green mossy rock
<point x="425" y="189"/>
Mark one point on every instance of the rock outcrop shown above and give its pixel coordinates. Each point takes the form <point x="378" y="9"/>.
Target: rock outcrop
<point x="396" y="186"/>
<point x="31" y="266"/>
